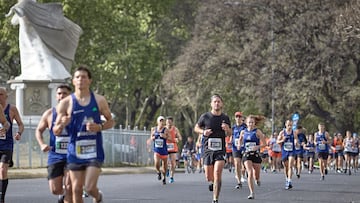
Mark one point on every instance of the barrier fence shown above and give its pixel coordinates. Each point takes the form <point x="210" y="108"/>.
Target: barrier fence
<point x="121" y="146"/>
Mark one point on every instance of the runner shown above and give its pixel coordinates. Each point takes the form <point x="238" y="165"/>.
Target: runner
<point x="199" y="153"/>
<point x="310" y="152"/>
<point x="172" y="146"/>
<point x="299" y="150"/>
<point x="82" y="110"/>
<point x="322" y="141"/>
<point x="159" y="135"/>
<point x="275" y="153"/>
<point x="229" y="157"/>
<point x="10" y="113"/>
<point x="57" y="149"/>
<point x="338" y="148"/>
<point x="237" y="153"/>
<point x="264" y="153"/>
<point x="348" y="151"/>
<point x="356" y="151"/>
<point x="214" y="126"/>
<point x="251" y="138"/>
<point x="288" y="138"/>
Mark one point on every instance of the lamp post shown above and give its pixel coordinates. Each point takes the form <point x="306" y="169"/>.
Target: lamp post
<point x="269" y="10"/>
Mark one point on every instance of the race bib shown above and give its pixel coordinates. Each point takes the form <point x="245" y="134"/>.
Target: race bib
<point x="159" y="143"/>
<point x="170" y="146"/>
<point x="215" y="144"/>
<point x="3" y="137"/>
<point x="61" y="144"/>
<point x="338" y="147"/>
<point x="276" y="147"/>
<point x="288" y="146"/>
<point x="236" y="142"/>
<point x="250" y="146"/>
<point x="86" y="149"/>
<point x="322" y="146"/>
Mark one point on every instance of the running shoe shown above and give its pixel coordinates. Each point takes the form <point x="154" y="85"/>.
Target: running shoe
<point x="164" y="181"/>
<point x="338" y="171"/>
<point x="243" y="180"/>
<point x="257" y="182"/>
<point x="287" y="185"/>
<point x="251" y="196"/>
<point x="101" y="197"/>
<point x="85" y="194"/>
<point x="167" y="173"/>
<point x="159" y="176"/>
<point x="171" y="180"/>
<point x="322" y="178"/>
<point x="238" y="186"/>
<point x="215" y="201"/>
<point x="290" y="185"/>
<point x="61" y="199"/>
<point x="298" y="175"/>
<point x="211" y="187"/>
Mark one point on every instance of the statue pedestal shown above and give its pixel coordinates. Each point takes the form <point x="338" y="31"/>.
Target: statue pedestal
<point x="34" y="97"/>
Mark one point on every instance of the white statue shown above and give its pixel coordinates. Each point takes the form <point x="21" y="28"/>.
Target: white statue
<point x="47" y="40"/>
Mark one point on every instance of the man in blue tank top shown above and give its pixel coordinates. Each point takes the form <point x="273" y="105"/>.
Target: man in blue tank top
<point x="80" y="113"/>
<point x="57" y="149"/>
<point x="214" y="126"/>
<point x="288" y="139"/>
<point x="7" y="137"/>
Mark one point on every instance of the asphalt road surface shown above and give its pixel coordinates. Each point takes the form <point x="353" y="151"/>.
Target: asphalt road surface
<point x="141" y="188"/>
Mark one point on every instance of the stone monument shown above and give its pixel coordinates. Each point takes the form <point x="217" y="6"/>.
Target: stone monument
<point x="47" y="42"/>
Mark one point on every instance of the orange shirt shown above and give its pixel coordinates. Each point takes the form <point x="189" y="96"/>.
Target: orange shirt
<point x="172" y="145"/>
<point x="228" y="144"/>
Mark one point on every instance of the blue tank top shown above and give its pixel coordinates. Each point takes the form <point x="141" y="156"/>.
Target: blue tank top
<point x="311" y="145"/>
<point x="160" y="146"/>
<point x="250" y="139"/>
<point x="7" y="142"/>
<point x="84" y="146"/>
<point x="288" y="145"/>
<point x="58" y="144"/>
<point x="319" y="146"/>
<point x="236" y="130"/>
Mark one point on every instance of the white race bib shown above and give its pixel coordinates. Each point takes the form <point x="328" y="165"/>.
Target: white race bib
<point x="215" y="144"/>
<point x="236" y="142"/>
<point x="276" y="147"/>
<point x="159" y="143"/>
<point x="322" y="146"/>
<point x="250" y="146"/>
<point x="288" y="146"/>
<point x="61" y="144"/>
<point x="170" y="146"/>
<point x="86" y="149"/>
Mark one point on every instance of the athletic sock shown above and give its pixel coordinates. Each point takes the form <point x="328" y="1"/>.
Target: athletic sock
<point x="3" y="186"/>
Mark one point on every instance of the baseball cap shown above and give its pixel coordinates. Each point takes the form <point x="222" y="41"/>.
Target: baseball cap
<point x="238" y="113"/>
<point x="160" y="118"/>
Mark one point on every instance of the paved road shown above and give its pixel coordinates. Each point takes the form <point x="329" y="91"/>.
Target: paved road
<point x="141" y="188"/>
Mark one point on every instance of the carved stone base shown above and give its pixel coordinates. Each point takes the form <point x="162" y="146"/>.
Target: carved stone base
<point x="34" y="97"/>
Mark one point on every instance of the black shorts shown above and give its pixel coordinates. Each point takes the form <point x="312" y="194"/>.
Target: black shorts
<point x="210" y="158"/>
<point x="237" y="154"/>
<point x="228" y="154"/>
<point x="252" y="156"/>
<point x="83" y="166"/>
<point x="56" y="169"/>
<point x="6" y="156"/>
<point x="323" y="155"/>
